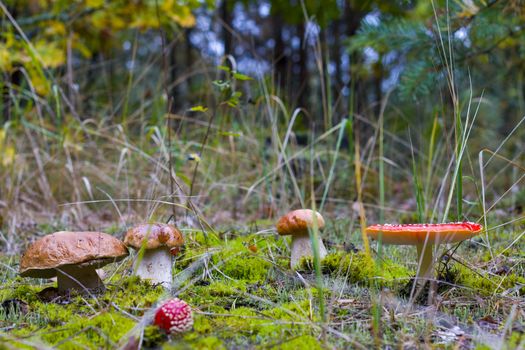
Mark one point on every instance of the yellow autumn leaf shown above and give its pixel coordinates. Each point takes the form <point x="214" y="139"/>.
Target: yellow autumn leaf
<point x="94" y="3"/>
<point x="51" y="53"/>
<point x="509" y="42"/>
<point x="468" y="7"/>
<point x="39" y="81"/>
<point x="180" y="14"/>
<point x="8" y="155"/>
<point x="72" y="140"/>
<point x="5" y="59"/>
<point x="186" y="19"/>
<point x="79" y="45"/>
<point x="107" y="20"/>
<point x="7" y="152"/>
<point x="144" y="20"/>
<point x="55" y="28"/>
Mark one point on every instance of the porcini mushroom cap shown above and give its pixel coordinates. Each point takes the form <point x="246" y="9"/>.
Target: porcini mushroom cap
<point x="298" y="221"/>
<point x="413" y="234"/>
<point x="67" y="248"/>
<point x="153" y="236"/>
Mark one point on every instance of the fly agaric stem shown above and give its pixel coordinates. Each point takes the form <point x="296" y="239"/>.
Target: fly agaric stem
<point x="425" y="261"/>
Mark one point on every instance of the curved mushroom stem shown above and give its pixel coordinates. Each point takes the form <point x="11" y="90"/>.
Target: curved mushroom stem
<point x="301" y="246"/>
<point x="425" y="262"/>
<point x="78" y="279"/>
<point x="155" y="265"/>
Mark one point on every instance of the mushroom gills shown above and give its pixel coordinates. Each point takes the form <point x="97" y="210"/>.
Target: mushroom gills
<point x="155" y="265"/>
<point x="80" y="279"/>
<point x="302" y="246"/>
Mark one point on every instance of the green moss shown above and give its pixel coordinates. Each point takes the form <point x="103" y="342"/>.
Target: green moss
<point x="485" y="284"/>
<point x="202" y="324"/>
<point x="358" y="268"/>
<point x="199" y="238"/>
<point x="93" y="322"/>
<point x="201" y="343"/>
<point x="23" y="292"/>
<point x="153" y="337"/>
<point x="483" y="347"/>
<point x="243" y="267"/>
<point x="515" y="340"/>
<point x="102" y="330"/>
<point x="299" y="342"/>
<point x="236" y="261"/>
<point x="216" y="296"/>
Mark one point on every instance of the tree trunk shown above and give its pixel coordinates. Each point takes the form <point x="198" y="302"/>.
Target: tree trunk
<point x="174" y="91"/>
<point x="378" y="82"/>
<point x="352" y="18"/>
<point x="304" y="86"/>
<point x="280" y="60"/>
<point x="226" y="28"/>
<point x="6" y="100"/>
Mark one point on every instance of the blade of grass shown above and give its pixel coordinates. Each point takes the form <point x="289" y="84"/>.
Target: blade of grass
<point x="332" y="168"/>
<point x="420" y="200"/>
<point x="362" y="216"/>
<point x="431" y="148"/>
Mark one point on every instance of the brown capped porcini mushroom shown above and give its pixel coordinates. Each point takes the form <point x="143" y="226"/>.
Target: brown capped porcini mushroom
<point x="297" y="223"/>
<point x="159" y="243"/>
<point x="73" y="258"/>
<point x="424" y="237"/>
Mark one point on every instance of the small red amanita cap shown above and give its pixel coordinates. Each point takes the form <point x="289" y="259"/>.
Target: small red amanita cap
<point x="174" y="316"/>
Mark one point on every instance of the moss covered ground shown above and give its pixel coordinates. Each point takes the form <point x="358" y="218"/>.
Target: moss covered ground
<point x="244" y="295"/>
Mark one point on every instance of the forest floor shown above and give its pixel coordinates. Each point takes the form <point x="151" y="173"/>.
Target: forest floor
<point x="244" y="295"/>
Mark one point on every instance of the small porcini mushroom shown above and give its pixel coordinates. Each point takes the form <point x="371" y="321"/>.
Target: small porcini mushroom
<point x="297" y="224"/>
<point x="424" y="236"/>
<point x="73" y="258"/>
<point x="174" y="316"/>
<point x="159" y="243"/>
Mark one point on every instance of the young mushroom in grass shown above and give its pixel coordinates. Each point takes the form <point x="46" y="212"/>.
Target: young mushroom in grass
<point x="297" y="224"/>
<point x="424" y="237"/>
<point x="73" y="258"/>
<point x="159" y="243"/>
<point x="174" y="316"/>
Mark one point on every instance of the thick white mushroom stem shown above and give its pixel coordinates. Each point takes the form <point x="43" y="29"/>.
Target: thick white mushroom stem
<point x="78" y="279"/>
<point x="425" y="262"/>
<point x="155" y="265"/>
<point x="302" y="246"/>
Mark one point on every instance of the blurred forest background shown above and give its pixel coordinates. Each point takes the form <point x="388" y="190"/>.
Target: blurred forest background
<point x="272" y="104"/>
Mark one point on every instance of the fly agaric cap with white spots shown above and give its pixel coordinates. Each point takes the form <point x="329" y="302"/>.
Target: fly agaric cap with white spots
<point x="174" y="316"/>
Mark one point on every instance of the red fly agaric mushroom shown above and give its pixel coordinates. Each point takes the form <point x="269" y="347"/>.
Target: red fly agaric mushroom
<point x="174" y="316"/>
<point x="424" y="236"/>
<point x="73" y="257"/>
<point x="297" y="223"/>
<point x="159" y="242"/>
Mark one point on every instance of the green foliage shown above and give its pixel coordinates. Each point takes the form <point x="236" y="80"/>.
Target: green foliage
<point x="90" y="27"/>
<point x="420" y="47"/>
